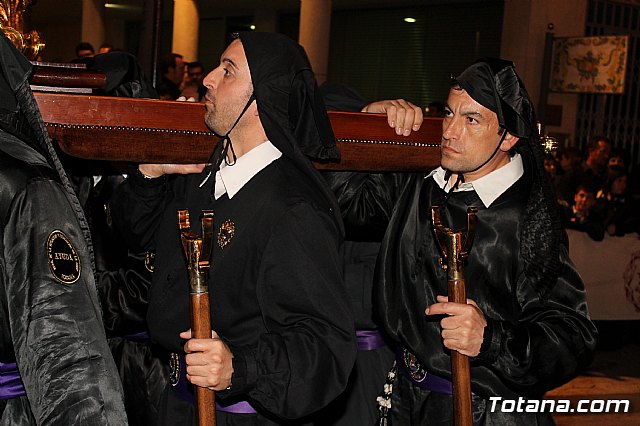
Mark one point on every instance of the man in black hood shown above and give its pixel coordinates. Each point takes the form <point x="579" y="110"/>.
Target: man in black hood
<point x="283" y="335"/>
<point x="55" y="364"/>
<point x="525" y="327"/>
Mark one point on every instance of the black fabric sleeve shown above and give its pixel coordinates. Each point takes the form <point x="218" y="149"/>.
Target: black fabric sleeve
<point x="552" y="340"/>
<point x="305" y="308"/>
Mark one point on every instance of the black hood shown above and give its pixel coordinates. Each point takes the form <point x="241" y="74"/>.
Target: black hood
<point x="20" y="117"/>
<point x="290" y="105"/>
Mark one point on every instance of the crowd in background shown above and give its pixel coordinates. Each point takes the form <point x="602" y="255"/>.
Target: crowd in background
<point x="595" y="192"/>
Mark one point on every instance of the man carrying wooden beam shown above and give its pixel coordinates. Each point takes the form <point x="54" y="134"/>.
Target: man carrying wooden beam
<point x="283" y="340"/>
<point x="525" y="326"/>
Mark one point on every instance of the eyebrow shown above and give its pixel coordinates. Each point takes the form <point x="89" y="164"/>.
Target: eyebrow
<point x="471" y="113"/>
<point x="230" y="62"/>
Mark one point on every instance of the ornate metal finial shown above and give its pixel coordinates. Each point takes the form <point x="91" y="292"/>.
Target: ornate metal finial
<point x="11" y="24"/>
<point x="454" y="251"/>
<point x="197" y="249"/>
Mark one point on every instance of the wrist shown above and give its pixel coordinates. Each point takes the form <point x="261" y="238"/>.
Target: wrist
<point x="145" y="173"/>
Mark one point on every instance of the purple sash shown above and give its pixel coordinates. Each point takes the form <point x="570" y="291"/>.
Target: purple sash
<point x="184" y="390"/>
<point x="426" y="381"/>
<point x="10" y="382"/>
<point x="143" y="336"/>
<point x="369" y="340"/>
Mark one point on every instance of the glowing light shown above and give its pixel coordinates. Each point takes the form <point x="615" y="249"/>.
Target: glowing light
<point x="253" y="27"/>
<point x="122" y="6"/>
<point x="410" y="20"/>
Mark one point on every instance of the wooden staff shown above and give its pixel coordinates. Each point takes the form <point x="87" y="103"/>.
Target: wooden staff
<point x="198" y="252"/>
<point x="454" y="253"/>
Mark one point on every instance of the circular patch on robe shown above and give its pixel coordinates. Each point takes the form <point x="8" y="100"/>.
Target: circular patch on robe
<point x="64" y="261"/>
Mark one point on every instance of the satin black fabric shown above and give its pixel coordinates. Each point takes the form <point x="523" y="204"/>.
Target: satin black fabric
<point x="52" y="330"/>
<point x="414" y="406"/>
<point x="532" y="344"/>
<point x="276" y="289"/>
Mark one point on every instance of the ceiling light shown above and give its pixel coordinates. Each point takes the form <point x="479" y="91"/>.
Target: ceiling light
<point x="410" y="20"/>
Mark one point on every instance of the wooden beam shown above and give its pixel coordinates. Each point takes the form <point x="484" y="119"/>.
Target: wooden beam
<point x="154" y="131"/>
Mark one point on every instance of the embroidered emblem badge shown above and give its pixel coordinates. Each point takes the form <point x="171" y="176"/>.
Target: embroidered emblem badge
<point x="149" y="259"/>
<point x="174" y="368"/>
<point x="226" y="232"/>
<point x="414" y="368"/>
<point x="64" y="261"/>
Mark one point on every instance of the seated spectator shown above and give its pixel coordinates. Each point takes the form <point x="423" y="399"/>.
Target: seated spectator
<point x="568" y="159"/>
<point x="614" y="204"/>
<point x="591" y="173"/>
<point x="581" y="216"/>
<point x="617" y="159"/>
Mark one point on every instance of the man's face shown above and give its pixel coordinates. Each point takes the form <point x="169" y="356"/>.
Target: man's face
<point x="616" y="161"/>
<point x="470" y="134"/>
<point x="195" y="74"/>
<point x="619" y="186"/>
<point x="601" y="153"/>
<point x="178" y="71"/>
<point x="86" y="53"/>
<point x="228" y="89"/>
<point x="583" y="200"/>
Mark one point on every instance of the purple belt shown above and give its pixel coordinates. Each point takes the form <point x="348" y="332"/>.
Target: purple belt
<point x="11" y="385"/>
<point x="411" y="369"/>
<point x="184" y="390"/>
<point x="369" y="340"/>
<point x="143" y="336"/>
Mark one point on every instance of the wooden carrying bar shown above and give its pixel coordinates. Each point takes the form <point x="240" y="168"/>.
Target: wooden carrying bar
<point x="155" y="131"/>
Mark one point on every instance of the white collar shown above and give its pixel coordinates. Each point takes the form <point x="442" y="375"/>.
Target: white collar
<point x="231" y="179"/>
<point x="489" y="187"/>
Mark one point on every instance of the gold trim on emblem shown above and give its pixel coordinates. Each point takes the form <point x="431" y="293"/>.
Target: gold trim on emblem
<point x="226" y="232"/>
<point x="64" y="261"/>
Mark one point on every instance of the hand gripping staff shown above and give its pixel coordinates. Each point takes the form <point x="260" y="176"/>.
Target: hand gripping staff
<point x="454" y="253"/>
<point x="198" y="252"/>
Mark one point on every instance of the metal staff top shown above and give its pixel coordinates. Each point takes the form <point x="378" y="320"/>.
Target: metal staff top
<point x="453" y="250"/>
<point x="197" y="248"/>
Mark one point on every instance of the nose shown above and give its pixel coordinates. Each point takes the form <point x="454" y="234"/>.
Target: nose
<point x="450" y="128"/>
<point x="210" y="81"/>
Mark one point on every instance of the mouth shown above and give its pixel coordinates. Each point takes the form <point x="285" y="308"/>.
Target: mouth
<point x="447" y="150"/>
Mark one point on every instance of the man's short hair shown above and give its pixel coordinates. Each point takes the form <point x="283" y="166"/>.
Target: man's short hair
<point x="593" y="142"/>
<point x="84" y="46"/>
<point x="169" y="61"/>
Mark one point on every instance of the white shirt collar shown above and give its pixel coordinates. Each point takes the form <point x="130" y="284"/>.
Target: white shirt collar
<point x="489" y="187"/>
<point x="231" y="179"/>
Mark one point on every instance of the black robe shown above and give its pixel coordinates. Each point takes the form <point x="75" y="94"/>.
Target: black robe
<point x="535" y="340"/>
<point x="276" y="289"/>
<point x="50" y="323"/>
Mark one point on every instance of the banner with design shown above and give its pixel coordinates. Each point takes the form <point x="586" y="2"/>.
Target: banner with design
<point x="589" y="64"/>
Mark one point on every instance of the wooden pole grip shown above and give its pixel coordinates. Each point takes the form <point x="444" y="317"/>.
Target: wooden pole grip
<point x="201" y="329"/>
<point x="460" y="368"/>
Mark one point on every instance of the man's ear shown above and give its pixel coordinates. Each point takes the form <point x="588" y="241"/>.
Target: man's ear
<point x="508" y="142"/>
